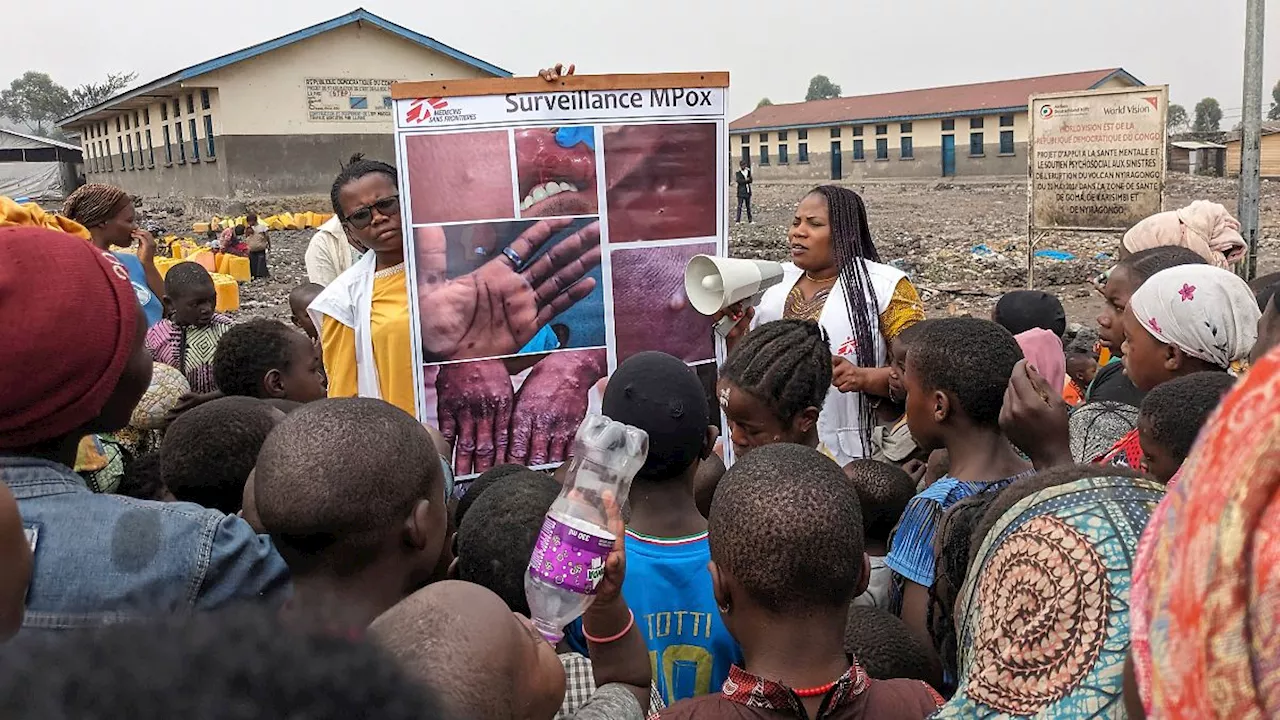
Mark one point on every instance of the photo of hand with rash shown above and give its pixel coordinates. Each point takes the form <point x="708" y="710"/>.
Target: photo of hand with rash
<point x="660" y="181"/>
<point x="522" y="410"/>
<point x="508" y="288"/>
<point x="460" y="177"/>
<point x="650" y="308"/>
<point x="556" y="171"/>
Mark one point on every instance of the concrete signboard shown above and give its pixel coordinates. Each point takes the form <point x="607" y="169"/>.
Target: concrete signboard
<point x="348" y="100"/>
<point x="1097" y="158"/>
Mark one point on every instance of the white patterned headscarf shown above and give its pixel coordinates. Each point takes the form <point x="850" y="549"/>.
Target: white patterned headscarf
<point x="1205" y="311"/>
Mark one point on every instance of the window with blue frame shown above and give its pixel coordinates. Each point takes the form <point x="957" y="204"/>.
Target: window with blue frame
<point x="168" y="147"/>
<point x="1006" y="121"/>
<point x="164" y="111"/>
<point x="182" y="146"/>
<point x="208" y="136"/>
<point x="949" y="125"/>
<point x="137" y="138"/>
<point x="782" y="155"/>
<point x="905" y="128"/>
<point x="882" y="148"/>
<point x="975" y="123"/>
<point x="857" y="130"/>
<point x="835" y="132"/>
<point x="1006" y="142"/>
<point x="802" y="134"/>
<point x="746" y="154"/>
<point x="204" y="99"/>
<point x="191" y="103"/>
<point x="882" y="129"/>
<point x="975" y="145"/>
<point x="764" y="154"/>
<point x="906" y="150"/>
<point x="764" y="137"/>
<point x="195" y="142"/>
<point x="782" y="136"/>
<point x="132" y="164"/>
<point x="804" y="152"/>
<point x="151" y="151"/>
<point x="858" y="152"/>
<point x="177" y="107"/>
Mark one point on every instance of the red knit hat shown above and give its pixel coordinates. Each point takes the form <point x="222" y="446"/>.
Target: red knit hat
<point x="68" y="324"/>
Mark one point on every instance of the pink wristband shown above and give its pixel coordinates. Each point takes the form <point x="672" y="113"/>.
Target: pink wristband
<point x="601" y="641"/>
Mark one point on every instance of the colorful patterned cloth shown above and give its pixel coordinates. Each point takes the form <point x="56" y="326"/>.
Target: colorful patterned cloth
<point x="1047" y="627"/>
<point x="904" y="309"/>
<point x="189" y="349"/>
<point x="1213" y="581"/>
<point x="1096" y="427"/>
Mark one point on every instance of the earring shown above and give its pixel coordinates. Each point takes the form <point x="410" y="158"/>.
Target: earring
<point x="723" y="608"/>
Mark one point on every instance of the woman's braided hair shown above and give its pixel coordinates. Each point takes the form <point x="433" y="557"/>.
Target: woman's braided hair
<point x="851" y="245"/>
<point x="786" y="364"/>
<point x="356" y="168"/>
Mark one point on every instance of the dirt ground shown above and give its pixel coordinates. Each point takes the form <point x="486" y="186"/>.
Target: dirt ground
<point x="929" y="230"/>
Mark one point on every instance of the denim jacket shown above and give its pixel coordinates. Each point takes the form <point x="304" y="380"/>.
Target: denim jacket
<point x="109" y="558"/>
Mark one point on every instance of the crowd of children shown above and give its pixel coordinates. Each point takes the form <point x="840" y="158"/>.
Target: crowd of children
<point x="1031" y="534"/>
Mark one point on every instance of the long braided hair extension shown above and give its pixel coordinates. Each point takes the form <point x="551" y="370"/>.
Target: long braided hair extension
<point x="851" y="245"/>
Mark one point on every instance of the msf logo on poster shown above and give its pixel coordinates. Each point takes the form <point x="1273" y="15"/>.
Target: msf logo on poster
<point x="434" y="110"/>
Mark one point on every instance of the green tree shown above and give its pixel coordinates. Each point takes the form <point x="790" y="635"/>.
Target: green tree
<point x="90" y="94"/>
<point x="821" y="88"/>
<point x="36" y="101"/>
<point x="1177" y="120"/>
<point x="764" y="102"/>
<point x="1275" y="103"/>
<point x="1208" y="116"/>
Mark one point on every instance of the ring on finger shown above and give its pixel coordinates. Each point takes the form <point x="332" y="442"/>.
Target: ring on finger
<point x="517" y="263"/>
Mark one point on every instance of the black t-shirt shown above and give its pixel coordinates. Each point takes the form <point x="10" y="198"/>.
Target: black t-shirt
<point x="1112" y="384"/>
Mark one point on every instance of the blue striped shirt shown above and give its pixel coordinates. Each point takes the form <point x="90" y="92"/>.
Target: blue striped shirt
<point x="911" y="553"/>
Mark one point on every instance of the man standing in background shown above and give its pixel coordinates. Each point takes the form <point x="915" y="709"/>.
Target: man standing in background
<point x="743" y="179"/>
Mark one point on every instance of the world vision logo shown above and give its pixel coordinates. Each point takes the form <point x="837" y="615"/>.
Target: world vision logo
<point x="422" y="110"/>
<point x="1152" y="105"/>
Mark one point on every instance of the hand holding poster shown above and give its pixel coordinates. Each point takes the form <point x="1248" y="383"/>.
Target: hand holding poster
<point x="547" y="238"/>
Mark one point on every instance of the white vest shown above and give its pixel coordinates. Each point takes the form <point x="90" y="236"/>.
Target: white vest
<point x="840" y="424"/>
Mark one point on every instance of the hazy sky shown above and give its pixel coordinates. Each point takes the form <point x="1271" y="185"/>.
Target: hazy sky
<point x="770" y="48"/>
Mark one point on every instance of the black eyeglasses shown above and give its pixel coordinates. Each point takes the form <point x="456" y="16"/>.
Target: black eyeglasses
<point x="361" y="217"/>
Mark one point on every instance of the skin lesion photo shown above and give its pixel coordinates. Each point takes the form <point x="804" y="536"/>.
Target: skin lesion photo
<point x="522" y="410"/>
<point x="556" y="171"/>
<point x="661" y="181"/>
<point x="509" y="288"/>
<point x="459" y="177"/>
<point x="650" y="308"/>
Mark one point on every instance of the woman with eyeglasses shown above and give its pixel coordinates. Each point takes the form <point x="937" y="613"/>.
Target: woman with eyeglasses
<point x="363" y="315"/>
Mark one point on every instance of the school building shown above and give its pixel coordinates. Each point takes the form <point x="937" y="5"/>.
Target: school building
<point x="274" y="119"/>
<point x="957" y="131"/>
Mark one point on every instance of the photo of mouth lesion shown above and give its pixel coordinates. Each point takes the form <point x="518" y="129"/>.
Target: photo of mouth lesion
<point x="556" y="171"/>
<point x="509" y="288"/>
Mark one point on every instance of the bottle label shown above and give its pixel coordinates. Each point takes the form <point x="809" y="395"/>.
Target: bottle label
<point x="568" y="557"/>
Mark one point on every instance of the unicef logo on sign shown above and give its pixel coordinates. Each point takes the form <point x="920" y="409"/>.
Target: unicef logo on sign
<point x="1046" y="111"/>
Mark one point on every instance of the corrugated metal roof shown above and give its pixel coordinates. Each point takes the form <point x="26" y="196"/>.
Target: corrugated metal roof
<point x="357" y="15"/>
<point x="954" y="100"/>
<point x="1197" y="145"/>
<point x="41" y="141"/>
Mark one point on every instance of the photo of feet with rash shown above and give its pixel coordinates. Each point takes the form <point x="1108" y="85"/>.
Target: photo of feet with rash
<point x="556" y="171"/>
<point x="509" y="288"/>
<point x="522" y="410"/>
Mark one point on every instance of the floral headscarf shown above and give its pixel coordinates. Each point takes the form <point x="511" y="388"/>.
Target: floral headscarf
<point x="1207" y="312"/>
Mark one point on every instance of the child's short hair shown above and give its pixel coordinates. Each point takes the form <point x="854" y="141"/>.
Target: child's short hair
<point x="250" y="350"/>
<point x="186" y="277"/>
<point x="239" y="231"/>
<point x="337" y="475"/>
<point x="495" y="542"/>
<point x="483" y="482"/>
<point x="908" y="335"/>
<point x="883" y="490"/>
<point x="785" y="364"/>
<point x="887" y="649"/>
<point x="143" y="478"/>
<point x="210" y="450"/>
<point x="205" y="666"/>
<point x="786" y="523"/>
<point x="659" y="394"/>
<point x="1145" y="263"/>
<point x="1177" y="409"/>
<point x="970" y="359"/>
<point x="303" y="295"/>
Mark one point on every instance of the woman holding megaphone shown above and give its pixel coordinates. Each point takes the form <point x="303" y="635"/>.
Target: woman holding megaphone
<point x="836" y="278"/>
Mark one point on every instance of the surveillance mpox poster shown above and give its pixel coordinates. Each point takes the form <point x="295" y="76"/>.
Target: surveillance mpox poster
<point x="547" y="227"/>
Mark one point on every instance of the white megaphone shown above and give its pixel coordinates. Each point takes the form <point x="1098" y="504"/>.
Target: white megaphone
<point x="714" y="283"/>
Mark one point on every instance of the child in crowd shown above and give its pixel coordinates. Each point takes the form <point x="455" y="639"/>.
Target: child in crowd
<point x="210" y="450"/>
<point x="892" y="441"/>
<point x="482" y="482"/>
<point x="267" y="359"/>
<point x="300" y="298"/>
<point x="207" y="666"/>
<point x="773" y="384"/>
<point x="233" y="241"/>
<point x="15" y="565"/>
<point x="351" y="492"/>
<point x="257" y="243"/>
<point x="188" y="336"/>
<point x="787" y="559"/>
<point x="493" y="548"/>
<point x="1082" y="367"/>
<point x="706" y="480"/>
<point x="60" y="386"/>
<point x="144" y="479"/>
<point x="1023" y="310"/>
<point x="1171" y="417"/>
<point x="667" y="547"/>
<point x="884" y="490"/>
<point x="887" y="649"/>
<point x="957" y="372"/>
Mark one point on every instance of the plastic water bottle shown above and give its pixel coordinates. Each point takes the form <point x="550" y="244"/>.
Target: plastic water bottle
<point x="568" y="558"/>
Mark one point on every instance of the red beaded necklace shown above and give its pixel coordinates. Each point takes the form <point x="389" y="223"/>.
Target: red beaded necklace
<point x="815" y="691"/>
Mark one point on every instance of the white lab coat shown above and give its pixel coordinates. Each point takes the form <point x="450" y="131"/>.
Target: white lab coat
<point x="840" y="424"/>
